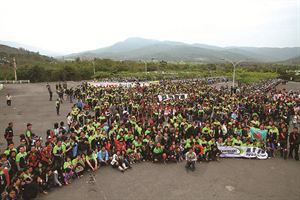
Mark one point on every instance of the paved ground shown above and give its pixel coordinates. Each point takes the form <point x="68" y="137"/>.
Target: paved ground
<point x="234" y="179"/>
<point x="30" y="104"/>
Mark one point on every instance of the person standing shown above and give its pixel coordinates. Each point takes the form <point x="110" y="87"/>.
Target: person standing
<point x="8" y="99"/>
<point x="50" y="91"/>
<point x="282" y="143"/>
<point x="294" y="143"/>
<point x="28" y="133"/>
<point x="57" y="105"/>
<point x="9" y="133"/>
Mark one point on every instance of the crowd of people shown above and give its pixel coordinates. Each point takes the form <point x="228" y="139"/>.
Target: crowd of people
<point x="120" y="126"/>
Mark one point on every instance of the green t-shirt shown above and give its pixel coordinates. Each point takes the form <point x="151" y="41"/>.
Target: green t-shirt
<point x="28" y="133"/>
<point x="158" y="150"/>
<point x="275" y="130"/>
<point x="20" y="155"/>
<point x="188" y="144"/>
<point x="67" y="164"/>
<point x="57" y="149"/>
<point x="228" y="142"/>
<point x="137" y="144"/>
<point x="75" y="162"/>
<point x="128" y="137"/>
<point x="236" y="142"/>
<point x="147" y="132"/>
<point x="205" y="130"/>
<point x="7" y="151"/>
<point x="91" y="138"/>
<point x="93" y="156"/>
<point x="129" y="150"/>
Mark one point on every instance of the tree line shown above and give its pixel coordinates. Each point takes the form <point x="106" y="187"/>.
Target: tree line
<point x="42" y="70"/>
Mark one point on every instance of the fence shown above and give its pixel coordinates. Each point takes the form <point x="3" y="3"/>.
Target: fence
<point x="14" y="82"/>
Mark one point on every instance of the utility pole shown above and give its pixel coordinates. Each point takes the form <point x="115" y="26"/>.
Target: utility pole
<point x="145" y="65"/>
<point x="15" y="68"/>
<point x="234" y="64"/>
<point x="94" y="68"/>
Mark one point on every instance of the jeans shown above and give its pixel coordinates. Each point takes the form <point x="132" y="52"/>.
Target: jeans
<point x="295" y="148"/>
<point x="190" y="164"/>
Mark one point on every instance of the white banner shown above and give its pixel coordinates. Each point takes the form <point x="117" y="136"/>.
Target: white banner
<point x="167" y="97"/>
<point x="242" y="152"/>
<point x="123" y="84"/>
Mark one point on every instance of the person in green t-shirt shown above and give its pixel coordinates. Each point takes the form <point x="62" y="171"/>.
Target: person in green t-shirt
<point x="78" y="165"/>
<point x="91" y="160"/>
<point x="68" y="171"/>
<point x="237" y="141"/>
<point x="28" y="132"/>
<point x="58" y="152"/>
<point x="158" y="153"/>
<point x="21" y="159"/>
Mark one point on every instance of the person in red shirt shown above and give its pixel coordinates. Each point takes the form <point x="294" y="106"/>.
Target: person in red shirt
<point x="120" y="145"/>
<point x="46" y="155"/>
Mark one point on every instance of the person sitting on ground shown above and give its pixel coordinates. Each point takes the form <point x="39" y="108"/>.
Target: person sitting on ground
<point x="78" y="165"/>
<point x="68" y="170"/>
<point x="118" y="162"/>
<point x="158" y="153"/>
<point x="91" y="160"/>
<point x="191" y="159"/>
<point x="103" y="156"/>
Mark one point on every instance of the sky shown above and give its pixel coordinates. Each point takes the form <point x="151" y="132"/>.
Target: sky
<point x="67" y="26"/>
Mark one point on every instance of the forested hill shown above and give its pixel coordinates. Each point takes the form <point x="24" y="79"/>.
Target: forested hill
<point x="23" y="56"/>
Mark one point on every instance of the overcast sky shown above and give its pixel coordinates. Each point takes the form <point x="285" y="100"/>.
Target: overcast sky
<point x="78" y="25"/>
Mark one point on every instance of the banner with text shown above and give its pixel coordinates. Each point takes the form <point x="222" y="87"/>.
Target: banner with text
<point x="242" y="152"/>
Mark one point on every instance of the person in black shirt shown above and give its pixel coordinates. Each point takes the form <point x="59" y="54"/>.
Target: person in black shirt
<point x="294" y="143"/>
<point x="50" y="91"/>
<point x="283" y="138"/>
<point x="9" y="133"/>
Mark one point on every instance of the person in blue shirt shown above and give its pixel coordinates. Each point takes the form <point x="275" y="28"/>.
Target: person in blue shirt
<point x="103" y="156"/>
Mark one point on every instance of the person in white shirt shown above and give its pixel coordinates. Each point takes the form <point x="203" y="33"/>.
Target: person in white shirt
<point x="118" y="162"/>
<point x="8" y="99"/>
<point x="191" y="159"/>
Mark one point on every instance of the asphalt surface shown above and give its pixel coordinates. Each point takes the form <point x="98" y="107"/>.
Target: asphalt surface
<point x="234" y="179"/>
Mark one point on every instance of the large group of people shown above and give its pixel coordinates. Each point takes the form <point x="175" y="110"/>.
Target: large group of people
<point x="120" y="126"/>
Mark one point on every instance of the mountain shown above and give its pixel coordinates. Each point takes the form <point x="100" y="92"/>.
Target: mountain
<point x="295" y="61"/>
<point x="22" y="56"/>
<point x="31" y="48"/>
<point x="129" y="44"/>
<point x="267" y="54"/>
<point x="146" y="49"/>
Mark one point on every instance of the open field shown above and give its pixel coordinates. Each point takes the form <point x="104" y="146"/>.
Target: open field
<point x="233" y="179"/>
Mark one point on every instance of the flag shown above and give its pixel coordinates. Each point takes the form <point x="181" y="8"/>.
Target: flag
<point x="258" y="134"/>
